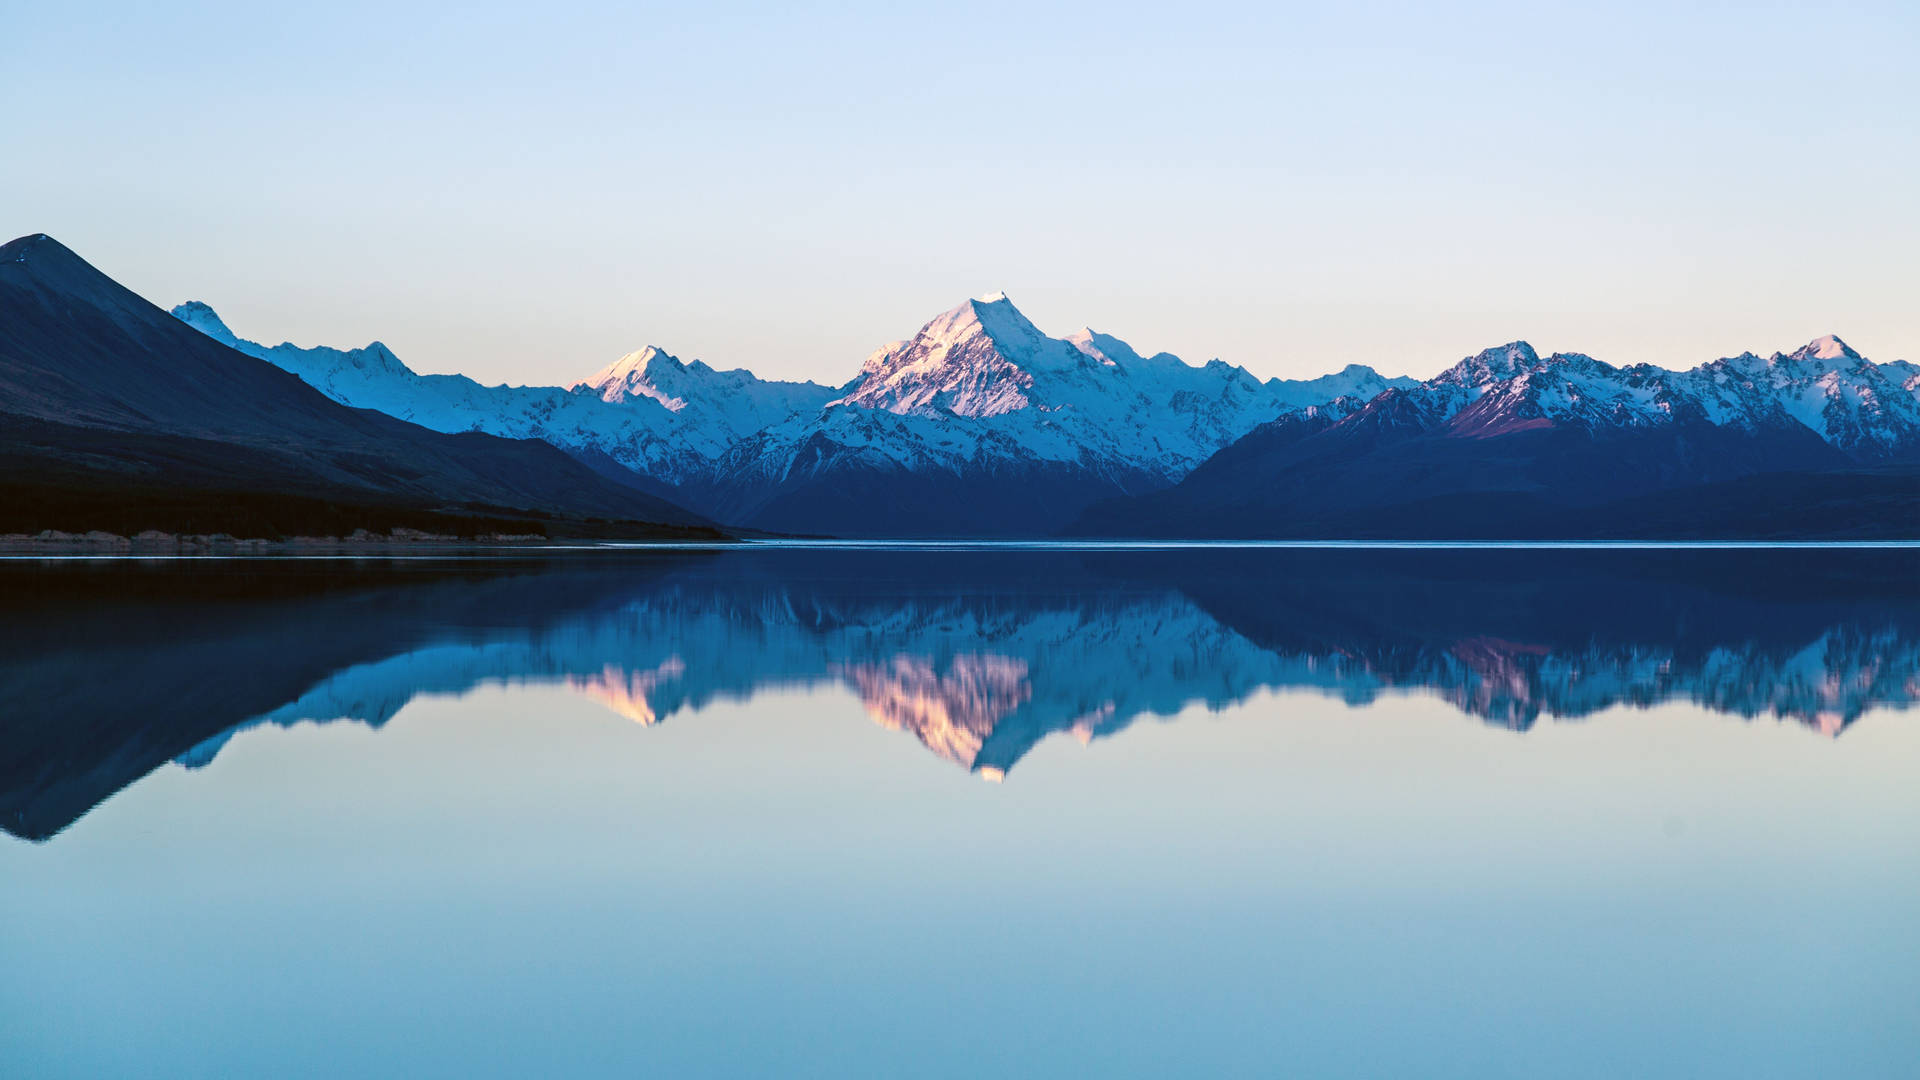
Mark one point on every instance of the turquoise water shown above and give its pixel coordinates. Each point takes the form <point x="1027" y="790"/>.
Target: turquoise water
<point x="945" y="813"/>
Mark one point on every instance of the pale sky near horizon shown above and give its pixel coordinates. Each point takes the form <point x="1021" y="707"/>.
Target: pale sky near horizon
<point x="524" y="193"/>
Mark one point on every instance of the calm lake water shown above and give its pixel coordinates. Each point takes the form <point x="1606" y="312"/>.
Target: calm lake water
<point x="963" y="813"/>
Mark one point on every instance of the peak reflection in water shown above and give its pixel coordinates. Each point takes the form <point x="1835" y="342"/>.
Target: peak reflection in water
<point x="110" y="670"/>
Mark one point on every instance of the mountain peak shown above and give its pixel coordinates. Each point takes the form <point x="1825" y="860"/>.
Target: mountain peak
<point x="977" y="359"/>
<point x="994" y="315"/>
<point x="637" y="374"/>
<point x="990" y="322"/>
<point x="1491" y="365"/>
<point x="201" y="316"/>
<point x="50" y="269"/>
<point x="1513" y="352"/>
<point x="34" y="246"/>
<point x="1828" y="347"/>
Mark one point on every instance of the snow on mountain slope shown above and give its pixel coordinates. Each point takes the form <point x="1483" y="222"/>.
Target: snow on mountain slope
<point x="984" y="360"/>
<point x="981" y="423"/>
<point x="981" y="400"/>
<point x="737" y="400"/>
<point x="662" y="434"/>
<point x="1224" y="398"/>
<point x="979" y="396"/>
<point x="980" y="359"/>
<point x="1511" y="387"/>
<point x="1868" y="411"/>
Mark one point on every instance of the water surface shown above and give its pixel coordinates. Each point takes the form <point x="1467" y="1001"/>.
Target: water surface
<point x="963" y="812"/>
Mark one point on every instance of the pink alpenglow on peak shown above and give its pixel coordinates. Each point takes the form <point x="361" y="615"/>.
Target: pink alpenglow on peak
<point x="1830" y="347"/>
<point x="631" y="376"/>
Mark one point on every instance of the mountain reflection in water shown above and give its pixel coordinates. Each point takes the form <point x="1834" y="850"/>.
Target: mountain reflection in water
<point x="111" y="670"/>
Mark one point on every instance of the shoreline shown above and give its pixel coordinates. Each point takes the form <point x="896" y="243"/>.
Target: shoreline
<point x="53" y="544"/>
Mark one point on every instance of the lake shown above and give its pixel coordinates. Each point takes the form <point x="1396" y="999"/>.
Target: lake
<point x="968" y="811"/>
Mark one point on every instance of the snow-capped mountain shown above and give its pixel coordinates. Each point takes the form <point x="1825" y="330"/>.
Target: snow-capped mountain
<point x="732" y="404"/>
<point x="1868" y="411"/>
<point x="663" y="419"/>
<point x="981" y="424"/>
<point x="1089" y="395"/>
<point x="1508" y="443"/>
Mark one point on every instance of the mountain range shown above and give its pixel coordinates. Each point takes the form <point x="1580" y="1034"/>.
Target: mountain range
<point x="1510" y="444"/>
<point x="978" y="425"/>
<point x="116" y="416"/>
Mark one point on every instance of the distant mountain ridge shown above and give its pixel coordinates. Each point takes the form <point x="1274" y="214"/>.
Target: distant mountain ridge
<point x="667" y="435"/>
<point x="981" y="424"/>
<point x="1866" y="410"/>
<point x="978" y="424"/>
<point x="1509" y="444"/>
<point x="115" y="416"/>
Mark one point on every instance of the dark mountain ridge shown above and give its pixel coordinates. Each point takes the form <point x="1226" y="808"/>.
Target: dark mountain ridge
<point x="110" y="405"/>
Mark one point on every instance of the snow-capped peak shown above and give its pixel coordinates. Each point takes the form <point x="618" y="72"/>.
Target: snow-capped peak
<point x="1827" y="347"/>
<point x="994" y="316"/>
<point x="1492" y="365"/>
<point x="978" y="359"/>
<point x="637" y="374"/>
<point x="201" y="317"/>
<point x="372" y="357"/>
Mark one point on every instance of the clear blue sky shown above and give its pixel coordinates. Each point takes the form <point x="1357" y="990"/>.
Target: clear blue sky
<point x="522" y="192"/>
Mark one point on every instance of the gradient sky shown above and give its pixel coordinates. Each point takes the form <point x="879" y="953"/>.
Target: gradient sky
<point x="523" y="192"/>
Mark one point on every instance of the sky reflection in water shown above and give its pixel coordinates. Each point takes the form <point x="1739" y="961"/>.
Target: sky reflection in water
<point x="1371" y="839"/>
